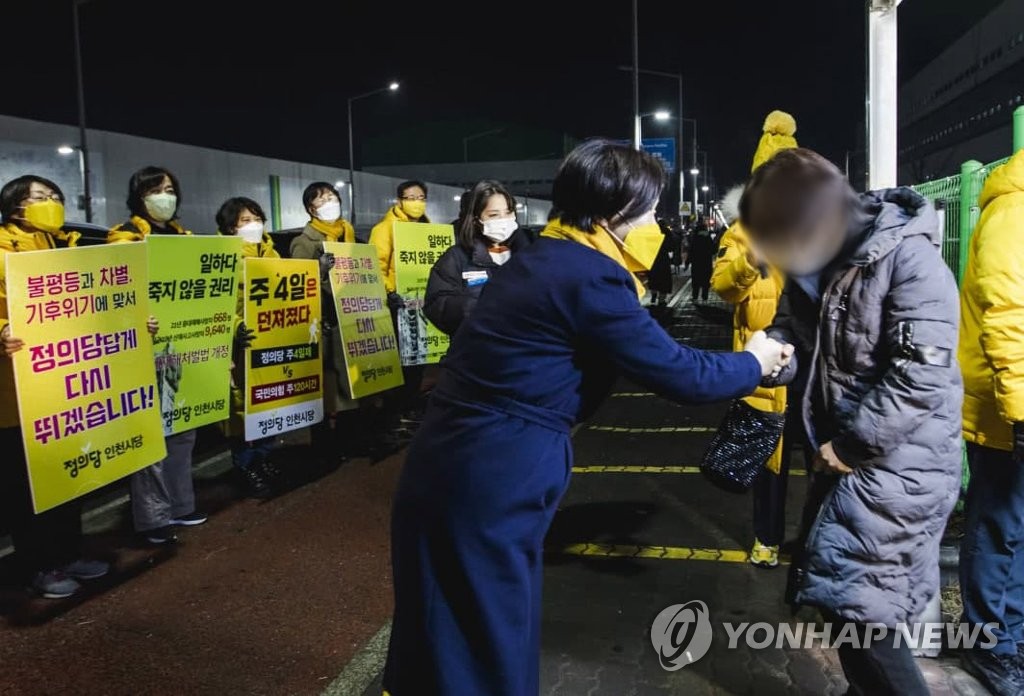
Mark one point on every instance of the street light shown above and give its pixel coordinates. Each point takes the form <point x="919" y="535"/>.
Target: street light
<point x="392" y="87"/>
<point x="662" y="116"/>
<point x="339" y="184"/>
<point x="65" y="150"/>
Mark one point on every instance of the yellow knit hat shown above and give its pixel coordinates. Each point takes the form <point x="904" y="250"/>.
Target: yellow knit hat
<point x="779" y="128"/>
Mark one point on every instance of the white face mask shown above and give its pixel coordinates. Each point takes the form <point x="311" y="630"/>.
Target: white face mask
<point x="161" y="206"/>
<point x="329" y="211"/>
<point x="500" y="257"/>
<point x="251" y="232"/>
<point x="500" y="230"/>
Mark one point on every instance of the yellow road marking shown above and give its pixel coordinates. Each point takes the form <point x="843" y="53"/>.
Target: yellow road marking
<point x="666" y="429"/>
<point x="673" y="553"/>
<point x="652" y="470"/>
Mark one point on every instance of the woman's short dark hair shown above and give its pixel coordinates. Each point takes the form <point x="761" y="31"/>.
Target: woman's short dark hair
<point x="146" y="179"/>
<point x="603" y="180"/>
<point x="406" y="185"/>
<point x="16" y="190"/>
<point x="315" y="190"/>
<point x="470" y="226"/>
<point x="790" y="192"/>
<point x="229" y="212"/>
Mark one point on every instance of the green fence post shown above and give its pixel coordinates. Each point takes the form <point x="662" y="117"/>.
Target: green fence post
<point x="968" y="199"/>
<point x="275" y="202"/>
<point x="1018" y="129"/>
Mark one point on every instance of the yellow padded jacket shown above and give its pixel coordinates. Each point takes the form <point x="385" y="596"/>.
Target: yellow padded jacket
<point x="13" y="240"/>
<point x="991" y="349"/>
<point x="382" y="236"/>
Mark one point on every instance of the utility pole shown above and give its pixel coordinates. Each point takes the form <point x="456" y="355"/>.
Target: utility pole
<point x="83" y="145"/>
<point x="637" y="143"/>
<point x="882" y="102"/>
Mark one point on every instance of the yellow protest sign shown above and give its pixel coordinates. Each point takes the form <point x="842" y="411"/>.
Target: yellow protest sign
<point x="417" y="248"/>
<point x="364" y="322"/>
<point x="192" y="283"/>
<point x="87" y="397"/>
<point x="284" y="375"/>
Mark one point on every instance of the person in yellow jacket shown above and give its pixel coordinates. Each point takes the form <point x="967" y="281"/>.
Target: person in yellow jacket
<point x="410" y="206"/>
<point x="991" y="354"/>
<point x="163" y="495"/>
<point x="753" y="288"/>
<point x="48" y="545"/>
<point x="243" y="217"/>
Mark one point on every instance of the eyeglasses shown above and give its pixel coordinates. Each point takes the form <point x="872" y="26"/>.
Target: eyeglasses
<point x="414" y="198"/>
<point x="40" y="197"/>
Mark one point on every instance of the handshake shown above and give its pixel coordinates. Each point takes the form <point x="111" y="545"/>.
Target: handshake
<point x="772" y="355"/>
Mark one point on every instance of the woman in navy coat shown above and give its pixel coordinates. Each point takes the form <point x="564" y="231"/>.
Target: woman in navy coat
<point x="488" y="466"/>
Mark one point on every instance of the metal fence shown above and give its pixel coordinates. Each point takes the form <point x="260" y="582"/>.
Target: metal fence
<point x="956" y="199"/>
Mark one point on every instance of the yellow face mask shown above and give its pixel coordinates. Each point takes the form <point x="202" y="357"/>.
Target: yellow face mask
<point x="47" y="215"/>
<point x="642" y="245"/>
<point x="414" y="209"/>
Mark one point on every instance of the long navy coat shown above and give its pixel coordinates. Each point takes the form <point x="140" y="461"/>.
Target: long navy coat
<point x="492" y="459"/>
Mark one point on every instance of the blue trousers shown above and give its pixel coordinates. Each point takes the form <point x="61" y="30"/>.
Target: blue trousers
<point x="992" y="551"/>
<point x="475" y="499"/>
<point x="245" y="454"/>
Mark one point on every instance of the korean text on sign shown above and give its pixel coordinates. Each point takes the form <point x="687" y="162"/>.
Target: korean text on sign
<point x="87" y="398"/>
<point x="283" y="375"/>
<point x="193" y="293"/>
<point x="364" y="328"/>
<point x="417" y="247"/>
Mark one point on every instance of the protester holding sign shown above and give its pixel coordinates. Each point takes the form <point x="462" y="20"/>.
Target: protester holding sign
<point x="163" y="496"/>
<point x="342" y="433"/>
<point x="243" y="217"/>
<point x="488" y="236"/>
<point x="410" y="206"/>
<point x="47" y="545"/>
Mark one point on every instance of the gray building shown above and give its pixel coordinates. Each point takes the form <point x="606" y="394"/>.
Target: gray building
<point x="207" y="176"/>
<point x="959" y="107"/>
<point x="524" y="178"/>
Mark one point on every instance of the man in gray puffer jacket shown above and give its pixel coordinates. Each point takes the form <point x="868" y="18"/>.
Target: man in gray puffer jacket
<point x="873" y="313"/>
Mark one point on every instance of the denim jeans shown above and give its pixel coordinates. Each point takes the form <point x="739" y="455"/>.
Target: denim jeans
<point x="992" y="550"/>
<point x="245" y="454"/>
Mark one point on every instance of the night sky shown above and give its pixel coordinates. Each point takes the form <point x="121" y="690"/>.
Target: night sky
<point x="225" y="75"/>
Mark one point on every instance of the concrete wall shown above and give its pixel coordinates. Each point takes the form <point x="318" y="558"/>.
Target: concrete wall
<point x="523" y="178"/>
<point x="207" y="176"/>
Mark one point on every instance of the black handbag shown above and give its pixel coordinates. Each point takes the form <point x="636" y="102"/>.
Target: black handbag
<point x="739" y="451"/>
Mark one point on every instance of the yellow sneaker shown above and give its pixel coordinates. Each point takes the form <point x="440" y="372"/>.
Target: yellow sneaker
<point x="764" y="556"/>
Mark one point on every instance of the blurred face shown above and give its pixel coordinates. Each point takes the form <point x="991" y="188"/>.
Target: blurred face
<point x="808" y="251"/>
<point x="496" y="209"/>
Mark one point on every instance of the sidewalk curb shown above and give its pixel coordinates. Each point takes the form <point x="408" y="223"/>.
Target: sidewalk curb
<point x="365" y="666"/>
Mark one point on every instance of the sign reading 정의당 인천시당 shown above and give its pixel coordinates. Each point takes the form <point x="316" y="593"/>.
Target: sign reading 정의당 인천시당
<point x="193" y="294"/>
<point x="367" y="338"/>
<point x="283" y="369"/>
<point x="87" y="398"/>
<point x="417" y="247"/>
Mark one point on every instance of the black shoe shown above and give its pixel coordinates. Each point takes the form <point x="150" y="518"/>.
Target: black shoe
<point x="255" y="484"/>
<point x="193" y="519"/>
<point x="271" y="474"/>
<point x="1000" y="674"/>
<point x="161" y="536"/>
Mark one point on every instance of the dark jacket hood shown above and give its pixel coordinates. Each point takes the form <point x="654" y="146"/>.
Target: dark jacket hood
<point x="898" y="213"/>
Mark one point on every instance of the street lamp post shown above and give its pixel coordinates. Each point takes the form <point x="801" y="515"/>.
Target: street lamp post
<point x="637" y="142"/>
<point x="83" y="146"/>
<point x="393" y="87"/>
